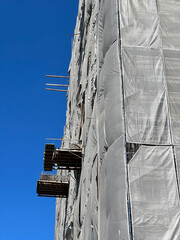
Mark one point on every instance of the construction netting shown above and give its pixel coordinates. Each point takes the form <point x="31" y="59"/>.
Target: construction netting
<point x="124" y="89"/>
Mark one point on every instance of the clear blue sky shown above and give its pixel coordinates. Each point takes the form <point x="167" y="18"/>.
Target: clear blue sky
<point x="33" y="43"/>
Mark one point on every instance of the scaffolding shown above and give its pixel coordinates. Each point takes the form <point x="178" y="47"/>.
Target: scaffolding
<point x="53" y="186"/>
<point x="48" y="155"/>
<point x="61" y="158"/>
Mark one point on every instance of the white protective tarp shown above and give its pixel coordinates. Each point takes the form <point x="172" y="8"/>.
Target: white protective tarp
<point x="151" y="63"/>
<point x="111" y="74"/>
<point x="129" y="50"/>
<point x="107" y="34"/>
<point x="172" y="61"/>
<point x="113" y="189"/>
<point x="107" y="27"/>
<point x="169" y="20"/>
<point x="85" y="208"/>
<point x="89" y="228"/>
<point x="145" y="86"/>
<point x="60" y="218"/>
<point x="177" y="163"/>
<point x="155" y="205"/>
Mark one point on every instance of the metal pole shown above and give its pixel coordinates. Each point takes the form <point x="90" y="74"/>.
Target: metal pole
<point x="71" y="35"/>
<point x="55" y="139"/>
<point x="58" y="90"/>
<point x="58" y="85"/>
<point x="55" y="76"/>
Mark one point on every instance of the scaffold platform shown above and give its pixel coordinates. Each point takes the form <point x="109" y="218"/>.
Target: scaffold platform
<point x="53" y="186"/>
<point x="61" y="158"/>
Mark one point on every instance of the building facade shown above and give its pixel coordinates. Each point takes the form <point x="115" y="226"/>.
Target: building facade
<point x="123" y="114"/>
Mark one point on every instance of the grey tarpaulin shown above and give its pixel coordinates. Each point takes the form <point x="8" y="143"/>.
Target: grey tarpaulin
<point x="144" y="76"/>
<point x="112" y="95"/>
<point x="60" y="214"/>
<point x="113" y="194"/>
<point x="107" y="28"/>
<point x="151" y="57"/>
<point x="154" y="194"/>
<point x="113" y="189"/>
<point x="124" y="95"/>
<point x="172" y="60"/>
<point x="177" y="155"/>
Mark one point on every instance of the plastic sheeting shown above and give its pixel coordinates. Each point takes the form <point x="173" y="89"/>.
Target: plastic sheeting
<point x="177" y="155"/>
<point x="111" y="74"/>
<point x="110" y="100"/>
<point x="89" y="229"/>
<point x="60" y="218"/>
<point x="145" y="97"/>
<point x="113" y="216"/>
<point x="151" y="60"/>
<point x="107" y="27"/>
<point x="172" y="61"/>
<point x="124" y="88"/>
<point x="154" y="194"/>
<point x="113" y="194"/>
<point x="144" y="77"/>
<point x="82" y="210"/>
<point x="88" y="168"/>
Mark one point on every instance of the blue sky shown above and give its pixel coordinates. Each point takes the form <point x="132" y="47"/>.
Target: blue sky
<point x="33" y="43"/>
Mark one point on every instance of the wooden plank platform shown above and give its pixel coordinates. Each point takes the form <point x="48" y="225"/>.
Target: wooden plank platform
<point x="52" y="189"/>
<point x="69" y="159"/>
<point x="64" y="159"/>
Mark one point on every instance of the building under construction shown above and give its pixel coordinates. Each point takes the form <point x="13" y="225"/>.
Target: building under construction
<point x="119" y="161"/>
